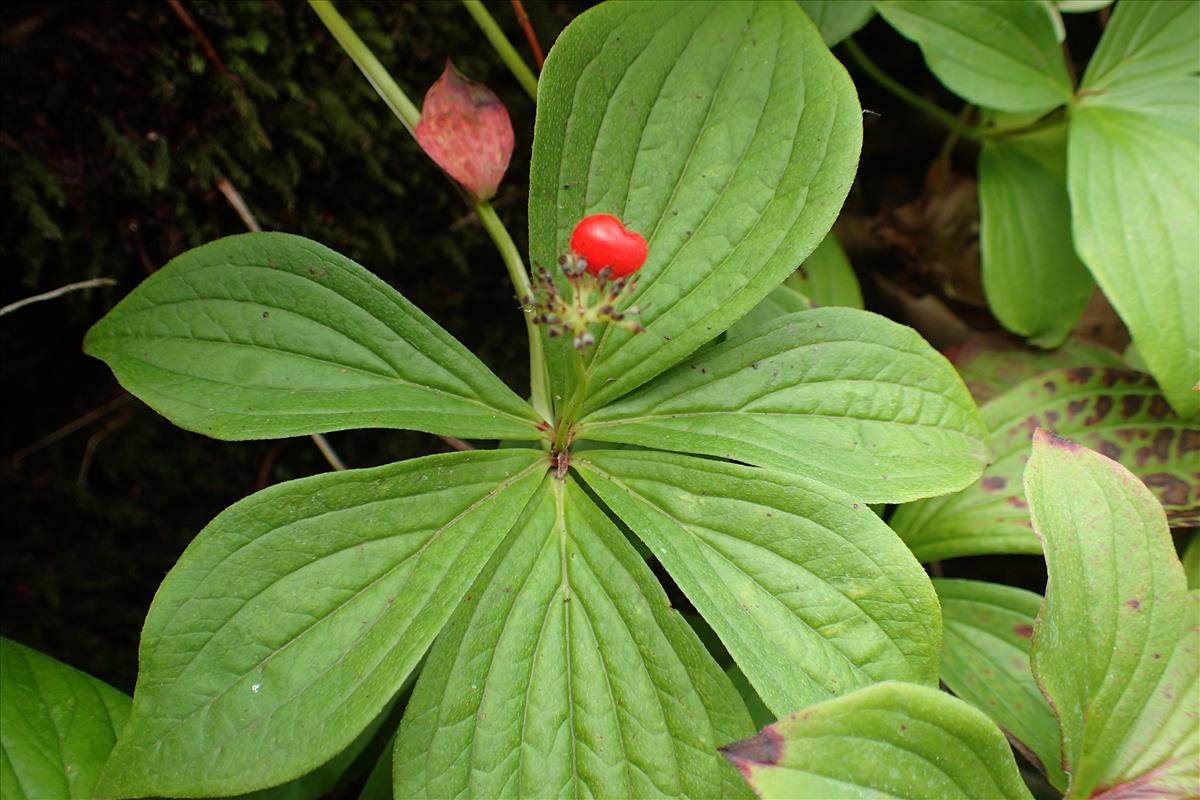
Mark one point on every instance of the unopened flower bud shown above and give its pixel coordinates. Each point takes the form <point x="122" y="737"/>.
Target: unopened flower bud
<point x="465" y="129"/>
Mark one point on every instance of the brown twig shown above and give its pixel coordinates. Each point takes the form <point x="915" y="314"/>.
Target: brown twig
<point x="456" y="443"/>
<point x="205" y="42"/>
<point x="523" y="21"/>
<point x="226" y="188"/>
<point x="69" y="428"/>
<point x="239" y="205"/>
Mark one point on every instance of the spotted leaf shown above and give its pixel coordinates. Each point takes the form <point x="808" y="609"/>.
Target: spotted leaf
<point x="1120" y="413"/>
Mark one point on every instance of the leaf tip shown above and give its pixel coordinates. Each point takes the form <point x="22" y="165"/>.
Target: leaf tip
<point x="1045" y="438"/>
<point x="765" y="748"/>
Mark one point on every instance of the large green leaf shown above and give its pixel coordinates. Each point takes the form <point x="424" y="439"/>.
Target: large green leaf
<point x="565" y="673"/>
<point x="840" y="395"/>
<point x="297" y="614"/>
<point x="1035" y="284"/>
<point x="726" y="133"/>
<point x="267" y="335"/>
<point x="991" y="364"/>
<point x="1134" y="180"/>
<point x="57" y="726"/>
<point x="1001" y="54"/>
<point x="837" y="19"/>
<point x="783" y="300"/>
<point x="891" y="740"/>
<point x="811" y="594"/>
<point x="986" y="632"/>
<point x="1147" y="61"/>
<point x="1121" y="413"/>
<point x="826" y="276"/>
<point x="1116" y="648"/>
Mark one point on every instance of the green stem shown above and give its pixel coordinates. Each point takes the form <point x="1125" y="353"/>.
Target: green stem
<point x="380" y="78"/>
<point x="907" y="95"/>
<point x="398" y="101"/>
<point x="539" y="379"/>
<point x="955" y="124"/>
<point x="508" y="54"/>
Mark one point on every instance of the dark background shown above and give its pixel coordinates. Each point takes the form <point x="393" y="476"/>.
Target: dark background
<point x="118" y="122"/>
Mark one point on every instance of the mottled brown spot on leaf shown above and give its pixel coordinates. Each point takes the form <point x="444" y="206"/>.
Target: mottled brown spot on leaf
<point x="1103" y="405"/>
<point x="1134" y="603"/>
<point x="1130" y="404"/>
<point x="994" y="483"/>
<point x="1110" y="449"/>
<point x="1050" y="386"/>
<point x="1160" y="448"/>
<point x="1158" y="407"/>
<point x="1074" y="407"/>
<point x="1172" y="490"/>
<point x="1190" y="441"/>
<point x="1016" y="502"/>
<point x="1023" y="629"/>
<point x="1079" y="374"/>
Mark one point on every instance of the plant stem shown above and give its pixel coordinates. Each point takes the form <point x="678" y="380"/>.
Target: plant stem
<point x="955" y="124"/>
<point x="523" y="20"/>
<point x="904" y="93"/>
<point x="358" y="51"/>
<point x="398" y="101"/>
<point x="508" y="54"/>
<point x="539" y="379"/>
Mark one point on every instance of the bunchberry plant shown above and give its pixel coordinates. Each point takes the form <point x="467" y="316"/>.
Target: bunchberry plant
<point x="727" y="135"/>
<point x="687" y="410"/>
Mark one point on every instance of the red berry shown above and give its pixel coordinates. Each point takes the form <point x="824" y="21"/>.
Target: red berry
<point x="604" y="241"/>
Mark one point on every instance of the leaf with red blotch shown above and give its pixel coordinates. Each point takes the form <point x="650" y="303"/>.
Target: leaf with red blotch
<point x="888" y="740"/>
<point x="465" y="129"/>
<point x="1120" y="413"/>
<point x="1115" y="647"/>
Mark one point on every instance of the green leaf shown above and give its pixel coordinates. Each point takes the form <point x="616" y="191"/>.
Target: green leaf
<point x="1119" y="412"/>
<point x="1134" y="180"/>
<point x="782" y="300"/>
<point x="308" y="601"/>
<point x="726" y="133"/>
<point x="992" y="364"/>
<point x="809" y="591"/>
<point x="1035" y="284"/>
<point x="826" y="276"/>
<point x="840" y="395"/>
<point x="1147" y="61"/>
<point x="347" y="765"/>
<point x="837" y="19"/>
<point x="1191" y="561"/>
<point x="1116" y="649"/>
<point x="1001" y="54"/>
<point x="268" y="335"/>
<point x="57" y="726"/>
<point x="566" y="673"/>
<point x="889" y="740"/>
<point x="986" y="632"/>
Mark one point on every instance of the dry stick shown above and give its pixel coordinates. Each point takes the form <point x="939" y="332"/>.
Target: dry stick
<point x="523" y="20"/>
<point x="457" y="443"/>
<point x="59" y="292"/>
<point x="239" y="205"/>
<point x="69" y="428"/>
<point x="205" y="42"/>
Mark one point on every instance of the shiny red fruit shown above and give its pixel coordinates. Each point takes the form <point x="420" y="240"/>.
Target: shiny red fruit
<point x="604" y="241"/>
